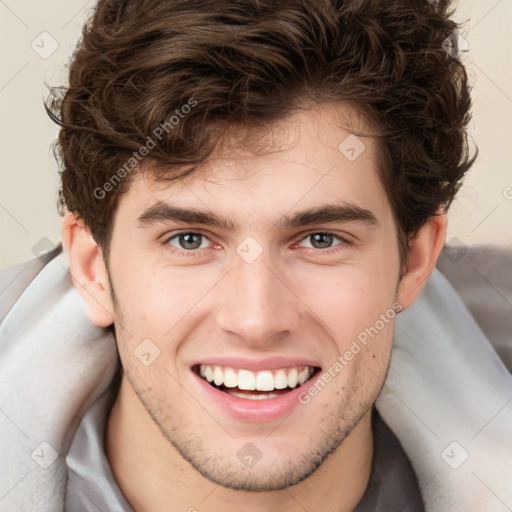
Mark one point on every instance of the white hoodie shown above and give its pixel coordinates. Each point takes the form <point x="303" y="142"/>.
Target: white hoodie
<point x="447" y="397"/>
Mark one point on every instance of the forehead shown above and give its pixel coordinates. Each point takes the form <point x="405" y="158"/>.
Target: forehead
<point x="309" y="158"/>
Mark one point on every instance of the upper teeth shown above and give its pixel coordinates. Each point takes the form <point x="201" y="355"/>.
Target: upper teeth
<point x="265" y="380"/>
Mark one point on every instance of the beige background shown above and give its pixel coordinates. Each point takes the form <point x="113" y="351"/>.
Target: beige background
<point x="28" y="179"/>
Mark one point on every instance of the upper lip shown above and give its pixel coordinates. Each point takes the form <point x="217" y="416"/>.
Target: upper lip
<point x="268" y="363"/>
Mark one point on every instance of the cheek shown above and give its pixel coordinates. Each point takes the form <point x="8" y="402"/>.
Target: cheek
<point x="154" y="311"/>
<point x="349" y="300"/>
<point x="153" y="300"/>
<point x="355" y="304"/>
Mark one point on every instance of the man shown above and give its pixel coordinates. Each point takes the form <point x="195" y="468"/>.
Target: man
<point x="253" y="191"/>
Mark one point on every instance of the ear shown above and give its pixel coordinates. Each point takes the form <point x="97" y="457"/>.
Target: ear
<point x="88" y="272"/>
<point x="423" y="252"/>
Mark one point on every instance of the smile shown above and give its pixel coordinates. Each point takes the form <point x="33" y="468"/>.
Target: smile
<point x="255" y="385"/>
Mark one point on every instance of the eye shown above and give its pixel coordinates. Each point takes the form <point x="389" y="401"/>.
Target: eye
<point x="188" y="241"/>
<point x="322" y="240"/>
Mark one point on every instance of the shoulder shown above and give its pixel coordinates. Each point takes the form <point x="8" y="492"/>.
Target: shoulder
<point x="14" y="280"/>
<point x="482" y="278"/>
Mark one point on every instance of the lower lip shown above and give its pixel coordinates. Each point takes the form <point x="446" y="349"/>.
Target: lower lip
<point x="255" y="411"/>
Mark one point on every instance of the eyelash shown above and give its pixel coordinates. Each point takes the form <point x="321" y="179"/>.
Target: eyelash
<point x="344" y="243"/>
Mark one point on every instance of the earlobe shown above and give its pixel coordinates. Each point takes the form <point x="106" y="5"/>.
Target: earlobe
<point x="423" y="252"/>
<point x="87" y="269"/>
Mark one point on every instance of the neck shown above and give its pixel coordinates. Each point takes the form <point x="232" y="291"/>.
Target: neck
<point x="152" y="474"/>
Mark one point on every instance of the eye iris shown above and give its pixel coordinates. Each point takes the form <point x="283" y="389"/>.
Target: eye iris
<point x="321" y="240"/>
<point x="190" y="240"/>
<point x="193" y="241"/>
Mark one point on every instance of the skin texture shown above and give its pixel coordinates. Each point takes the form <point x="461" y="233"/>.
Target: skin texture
<point x="166" y="442"/>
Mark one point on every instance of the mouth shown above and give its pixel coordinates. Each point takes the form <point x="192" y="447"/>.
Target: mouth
<point x="255" y="385"/>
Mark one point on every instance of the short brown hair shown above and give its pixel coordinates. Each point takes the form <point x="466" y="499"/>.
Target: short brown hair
<point x="247" y="63"/>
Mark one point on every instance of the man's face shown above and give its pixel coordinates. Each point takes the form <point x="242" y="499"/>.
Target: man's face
<point x="260" y="301"/>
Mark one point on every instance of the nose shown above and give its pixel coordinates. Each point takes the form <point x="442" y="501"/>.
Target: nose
<point x="256" y="303"/>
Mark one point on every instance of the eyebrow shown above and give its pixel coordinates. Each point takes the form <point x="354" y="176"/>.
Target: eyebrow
<point x="329" y="213"/>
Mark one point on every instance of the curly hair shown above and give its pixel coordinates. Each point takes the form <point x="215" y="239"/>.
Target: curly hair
<point x="248" y="63"/>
